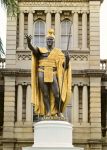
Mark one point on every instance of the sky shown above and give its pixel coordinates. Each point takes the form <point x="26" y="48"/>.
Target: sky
<point x="3" y="25"/>
<point x="103" y="28"/>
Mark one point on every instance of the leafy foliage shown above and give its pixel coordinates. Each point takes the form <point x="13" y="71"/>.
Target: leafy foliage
<point x="11" y="5"/>
<point x="1" y="48"/>
<point x="12" y="10"/>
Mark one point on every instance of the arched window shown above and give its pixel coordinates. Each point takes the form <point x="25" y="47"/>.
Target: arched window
<point x="65" y="31"/>
<point x="39" y="33"/>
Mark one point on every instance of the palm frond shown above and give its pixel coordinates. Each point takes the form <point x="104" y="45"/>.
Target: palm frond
<point x="11" y="5"/>
<point x="1" y="48"/>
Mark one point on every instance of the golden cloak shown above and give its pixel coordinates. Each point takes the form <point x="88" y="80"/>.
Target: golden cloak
<point x="64" y="81"/>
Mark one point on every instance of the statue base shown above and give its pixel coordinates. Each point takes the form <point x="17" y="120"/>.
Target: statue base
<point x="52" y="135"/>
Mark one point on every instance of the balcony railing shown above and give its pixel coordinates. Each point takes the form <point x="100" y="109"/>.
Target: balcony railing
<point x="103" y="64"/>
<point x="2" y="62"/>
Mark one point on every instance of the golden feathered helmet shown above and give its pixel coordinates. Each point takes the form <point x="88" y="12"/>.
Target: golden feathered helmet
<point x="50" y="33"/>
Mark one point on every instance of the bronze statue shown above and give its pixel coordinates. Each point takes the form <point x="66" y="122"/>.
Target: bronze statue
<point x="51" y="77"/>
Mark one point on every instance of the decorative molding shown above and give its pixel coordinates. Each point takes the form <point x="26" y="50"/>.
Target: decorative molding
<point x="40" y="5"/>
<point x="59" y="0"/>
<point x="82" y="83"/>
<point x="22" y="82"/>
<point x="53" y="0"/>
<point x="84" y="11"/>
<point x="75" y="73"/>
<point x="39" y="16"/>
<point x="39" y="13"/>
<point x="79" y="58"/>
<point x="76" y="11"/>
<point x="16" y="72"/>
<point x="94" y="72"/>
<point x="23" y="55"/>
<point x="57" y="11"/>
<point x="26" y="55"/>
<point x="67" y="13"/>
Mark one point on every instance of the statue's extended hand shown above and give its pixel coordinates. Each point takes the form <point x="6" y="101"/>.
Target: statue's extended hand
<point x="28" y="37"/>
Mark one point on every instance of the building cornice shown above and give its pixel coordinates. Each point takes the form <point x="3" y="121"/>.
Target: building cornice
<point x="57" y="0"/>
<point x="53" y="0"/>
<point x="15" y="72"/>
<point x="94" y="72"/>
<point x="97" y="0"/>
<point x="88" y="73"/>
<point x="75" y="73"/>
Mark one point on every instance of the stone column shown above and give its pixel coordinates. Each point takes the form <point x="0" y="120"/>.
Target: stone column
<point x="75" y="29"/>
<point x="84" y="31"/>
<point x="30" y="23"/>
<point x="21" y="30"/>
<point x="57" y="29"/>
<point x="95" y="107"/>
<point x="19" y="103"/>
<point x="85" y="103"/>
<point x="48" y="21"/>
<point x="11" y="40"/>
<point x="94" y="35"/>
<point x="28" y="104"/>
<point x="9" y="110"/>
<point x="76" y="104"/>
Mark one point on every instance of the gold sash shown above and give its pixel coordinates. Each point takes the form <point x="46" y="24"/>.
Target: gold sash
<point x="48" y="69"/>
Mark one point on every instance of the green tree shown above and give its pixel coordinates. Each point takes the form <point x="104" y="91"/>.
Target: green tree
<point x="12" y="8"/>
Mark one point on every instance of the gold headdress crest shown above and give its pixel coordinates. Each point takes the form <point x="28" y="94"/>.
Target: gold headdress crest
<point x="51" y="33"/>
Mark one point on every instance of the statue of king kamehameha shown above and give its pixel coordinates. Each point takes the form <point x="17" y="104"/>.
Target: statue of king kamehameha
<point x="50" y="78"/>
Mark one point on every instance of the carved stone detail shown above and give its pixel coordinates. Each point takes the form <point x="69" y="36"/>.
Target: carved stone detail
<point x="38" y="15"/>
<point x="54" y="0"/>
<point x="27" y="56"/>
<point x="23" y="56"/>
<point x="79" y="58"/>
<point x="54" y="4"/>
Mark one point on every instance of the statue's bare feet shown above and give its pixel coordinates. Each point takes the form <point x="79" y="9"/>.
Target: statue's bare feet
<point x="48" y="114"/>
<point x="61" y="115"/>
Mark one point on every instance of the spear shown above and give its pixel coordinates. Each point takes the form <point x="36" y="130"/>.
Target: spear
<point x="66" y="53"/>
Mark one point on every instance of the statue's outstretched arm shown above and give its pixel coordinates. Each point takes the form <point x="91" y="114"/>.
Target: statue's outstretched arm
<point x="35" y="50"/>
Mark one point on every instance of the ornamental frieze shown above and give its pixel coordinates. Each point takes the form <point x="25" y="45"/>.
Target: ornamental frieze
<point x="52" y="4"/>
<point x="79" y="58"/>
<point x="58" y="0"/>
<point x="53" y="0"/>
<point x="26" y="56"/>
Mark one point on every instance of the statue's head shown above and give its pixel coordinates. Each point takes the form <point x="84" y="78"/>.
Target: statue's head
<point x="50" y="39"/>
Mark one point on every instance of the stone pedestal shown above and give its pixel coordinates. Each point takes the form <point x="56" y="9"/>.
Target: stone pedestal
<point x="52" y="135"/>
